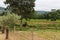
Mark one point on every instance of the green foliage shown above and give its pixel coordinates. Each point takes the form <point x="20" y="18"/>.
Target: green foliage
<point x="20" y="7"/>
<point x="52" y="15"/>
<point x="9" y="19"/>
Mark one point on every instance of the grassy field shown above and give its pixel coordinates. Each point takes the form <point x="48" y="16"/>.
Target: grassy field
<point x="49" y="34"/>
<point x="41" y="24"/>
<point x="37" y="35"/>
<point x="44" y="33"/>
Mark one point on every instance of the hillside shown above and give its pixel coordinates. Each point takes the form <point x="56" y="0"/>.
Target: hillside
<point x="41" y="12"/>
<point x="1" y="9"/>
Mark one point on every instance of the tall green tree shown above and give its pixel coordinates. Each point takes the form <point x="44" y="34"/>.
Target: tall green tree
<point x="24" y="8"/>
<point x="58" y="13"/>
<point x="52" y="15"/>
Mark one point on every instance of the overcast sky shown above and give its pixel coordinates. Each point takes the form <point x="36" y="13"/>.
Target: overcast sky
<point x="42" y="4"/>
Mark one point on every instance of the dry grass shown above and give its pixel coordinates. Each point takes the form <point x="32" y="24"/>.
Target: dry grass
<point x="2" y="36"/>
<point x="38" y="35"/>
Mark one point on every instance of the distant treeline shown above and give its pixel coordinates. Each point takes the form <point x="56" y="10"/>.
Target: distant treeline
<point x="53" y="15"/>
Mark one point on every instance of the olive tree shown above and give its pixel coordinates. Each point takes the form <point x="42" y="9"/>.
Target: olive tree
<point x="7" y="20"/>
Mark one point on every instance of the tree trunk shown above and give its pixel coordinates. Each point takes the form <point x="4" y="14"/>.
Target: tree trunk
<point x="7" y="33"/>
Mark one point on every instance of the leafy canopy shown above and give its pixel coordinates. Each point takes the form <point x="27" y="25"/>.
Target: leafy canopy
<point x="24" y="8"/>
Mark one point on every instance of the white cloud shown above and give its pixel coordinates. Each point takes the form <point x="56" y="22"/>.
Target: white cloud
<point x="47" y="4"/>
<point x="2" y="3"/>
